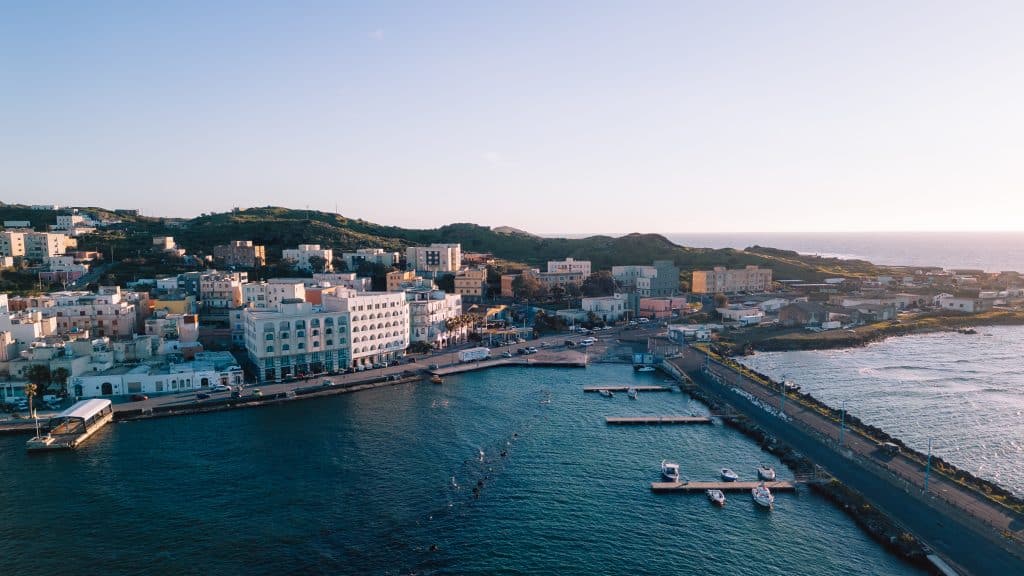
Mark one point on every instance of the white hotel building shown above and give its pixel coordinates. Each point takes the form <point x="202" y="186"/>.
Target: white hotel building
<point x="349" y="330"/>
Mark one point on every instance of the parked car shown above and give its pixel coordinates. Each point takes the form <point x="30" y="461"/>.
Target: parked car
<point x="521" y="351"/>
<point x="327" y="383"/>
<point x="506" y="354"/>
<point x="221" y="388"/>
<point x="202" y="396"/>
<point x="412" y="360"/>
<point x="570" y="343"/>
<point x="531" y="350"/>
<point x="139" y="397"/>
<point x="433" y="366"/>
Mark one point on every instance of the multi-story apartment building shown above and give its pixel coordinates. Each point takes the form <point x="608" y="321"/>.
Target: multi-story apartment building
<point x="371" y="255"/>
<point x="40" y="245"/>
<point x="569" y="265"/>
<point x="300" y="257"/>
<point x="348" y="330"/>
<point x="240" y="254"/>
<point x="748" y="279"/>
<point x="69" y="221"/>
<point x="220" y="290"/>
<point x="104" y="314"/>
<point x="429" y="311"/>
<point x="433" y="259"/>
<point x="183" y="327"/>
<point x="661" y="279"/>
<point x="471" y="284"/>
<point x="268" y="295"/>
<point x="12" y="244"/>
<point x="346" y="280"/>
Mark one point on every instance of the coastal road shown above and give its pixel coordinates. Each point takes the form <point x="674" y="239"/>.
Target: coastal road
<point x="958" y="522"/>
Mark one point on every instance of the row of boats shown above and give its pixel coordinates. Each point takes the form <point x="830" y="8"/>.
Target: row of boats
<point x="760" y="493"/>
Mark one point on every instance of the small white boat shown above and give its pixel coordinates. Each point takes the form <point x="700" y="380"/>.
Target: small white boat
<point x="632" y="393"/>
<point x="729" y="476"/>
<point x="670" y="470"/>
<point x="717" y="497"/>
<point x="607" y="393"/>
<point x="766" y="472"/>
<point x="645" y="369"/>
<point x="762" y="495"/>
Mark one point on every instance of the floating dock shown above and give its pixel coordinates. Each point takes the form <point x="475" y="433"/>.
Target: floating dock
<point x="626" y="388"/>
<point x="774" y="486"/>
<point x="658" y="420"/>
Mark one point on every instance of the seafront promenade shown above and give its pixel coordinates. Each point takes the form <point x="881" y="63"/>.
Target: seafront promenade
<point x="978" y="535"/>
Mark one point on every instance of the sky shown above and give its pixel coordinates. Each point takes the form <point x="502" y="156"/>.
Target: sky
<point x="569" y="117"/>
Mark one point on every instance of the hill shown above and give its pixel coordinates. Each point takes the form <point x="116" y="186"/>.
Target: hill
<point x="278" y="228"/>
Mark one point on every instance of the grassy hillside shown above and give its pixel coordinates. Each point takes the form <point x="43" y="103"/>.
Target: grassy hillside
<point x="279" y="228"/>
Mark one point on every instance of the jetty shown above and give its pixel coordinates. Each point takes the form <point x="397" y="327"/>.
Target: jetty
<point x="626" y="388"/>
<point x="622" y="420"/>
<point x="774" y="486"/>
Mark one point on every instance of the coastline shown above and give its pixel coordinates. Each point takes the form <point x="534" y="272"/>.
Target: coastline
<point x="863" y="335"/>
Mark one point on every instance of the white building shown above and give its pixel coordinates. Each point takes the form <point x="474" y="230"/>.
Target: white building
<point x="69" y="222"/>
<point x="349" y="330"/>
<point x="371" y="255"/>
<point x="428" y="312"/>
<point x="741" y="313"/>
<point x="268" y="295"/>
<point x="345" y="279"/>
<point x="207" y="370"/>
<point x="969" y="305"/>
<point x="299" y="257"/>
<point x="639" y="279"/>
<point x="607" y="308"/>
<point x="434" y="258"/>
<point x="569" y="266"/>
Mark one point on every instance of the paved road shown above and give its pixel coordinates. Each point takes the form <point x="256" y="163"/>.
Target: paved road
<point x="954" y="521"/>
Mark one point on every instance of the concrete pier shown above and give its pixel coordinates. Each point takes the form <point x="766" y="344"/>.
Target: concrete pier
<point x="620" y="420"/>
<point x="775" y="486"/>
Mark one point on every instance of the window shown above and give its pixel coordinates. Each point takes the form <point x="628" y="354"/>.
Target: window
<point x="270" y="336"/>
<point x="316" y="344"/>
<point x="285" y="347"/>
<point x="270" y="349"/>
<point x="300" y="333"/>
<point x="330" y="342"/>
<point x="302" y="345"/>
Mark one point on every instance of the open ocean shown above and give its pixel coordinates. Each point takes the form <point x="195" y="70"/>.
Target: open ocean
<point x="368" y="483"/>
<point x="965" y="392"/>
<point x="989" y="251"/>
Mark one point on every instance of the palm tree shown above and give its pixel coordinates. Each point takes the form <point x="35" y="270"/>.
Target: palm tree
<point x="30" y="392"/>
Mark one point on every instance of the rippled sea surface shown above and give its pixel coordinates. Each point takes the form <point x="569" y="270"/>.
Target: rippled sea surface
<point x="965" y="392"/>
<point x="369" y="483"/>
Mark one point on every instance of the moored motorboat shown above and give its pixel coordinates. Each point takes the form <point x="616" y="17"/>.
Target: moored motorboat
<point x="670" y="470"/>
<point x="632" y="393"/>
<point x="717" y="497"/>
<point x="766" y="472"/>
<point x="643" y="368"/>
<point x="729" y="476"/>
<point x="436" y="379"/>
<point x="607" y="393"/>
<point x="762" y="495"/>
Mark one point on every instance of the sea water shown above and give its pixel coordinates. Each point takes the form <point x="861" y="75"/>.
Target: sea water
<point x="505" y="471"/>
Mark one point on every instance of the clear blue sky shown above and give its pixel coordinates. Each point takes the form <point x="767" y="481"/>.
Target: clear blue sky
<point x="552" y="117"/>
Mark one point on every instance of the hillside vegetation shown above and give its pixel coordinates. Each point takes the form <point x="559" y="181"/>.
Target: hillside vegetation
<point x="279" y="228"/>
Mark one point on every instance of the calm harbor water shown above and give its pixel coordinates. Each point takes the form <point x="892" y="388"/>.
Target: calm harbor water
<point x="966" y="392"/>
<point x="368" y="483"/>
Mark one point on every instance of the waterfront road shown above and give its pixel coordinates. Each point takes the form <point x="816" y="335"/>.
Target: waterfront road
<point x="980" y="536"/>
